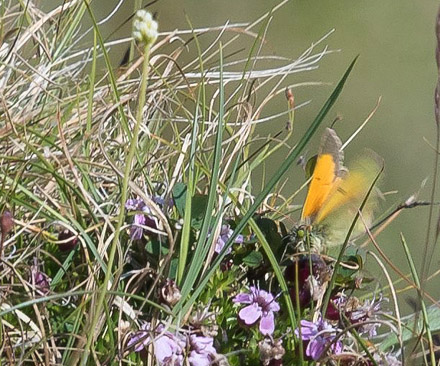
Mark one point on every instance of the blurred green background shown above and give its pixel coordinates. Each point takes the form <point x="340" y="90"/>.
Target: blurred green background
<point x="396" y="43"/>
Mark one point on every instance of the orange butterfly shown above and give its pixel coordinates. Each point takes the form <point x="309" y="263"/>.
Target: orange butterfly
<point x="335" y="193"/>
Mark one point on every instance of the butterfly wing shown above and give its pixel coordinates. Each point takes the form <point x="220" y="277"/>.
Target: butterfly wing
<point x="353" y="188"/>
<point x="338" y="212"/>
<point x="326" y="175"/>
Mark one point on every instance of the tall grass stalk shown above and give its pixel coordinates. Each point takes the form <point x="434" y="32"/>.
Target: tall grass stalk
<point x="96" y="311"/>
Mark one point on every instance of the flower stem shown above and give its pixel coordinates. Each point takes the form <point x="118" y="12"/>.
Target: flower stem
<point x="127" y="173"/>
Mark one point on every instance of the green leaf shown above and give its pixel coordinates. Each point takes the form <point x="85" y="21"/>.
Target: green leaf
<point x="198" y="210"/>
<point x="198" y="207"/>
<point x="179" y="197"/>
<point x="253" y="259"/>
<point x="173" y="268"/>
<point x="270" y="231"/>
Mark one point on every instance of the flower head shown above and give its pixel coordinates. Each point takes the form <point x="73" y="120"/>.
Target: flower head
<point x="6" y="222"/>
<point x="202" y="351"/>
<point x="261" y="306"/>
<point x="140" y="219"/>
<point x="144" y="27"/>
<point x="271" y="351"/>
<point x="168" y="348"/>
<point x="170" y="293"/>
<point x="369" y="311"/>
<point x="67" y="240"/>
<point x="171" y="349"/>
<point x="319" y="335"/>
<point x="225" y="234"/>
<point x="40" y="279"/>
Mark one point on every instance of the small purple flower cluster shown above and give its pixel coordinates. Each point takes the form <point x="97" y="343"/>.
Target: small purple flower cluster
<point x="170" y="349"/>
<point x="141" y="220"/>
<point x="365" y="315"/>
<point x="202" y="351"/>
<point x="40" y="280"/>
<point x="319" y="335"/>
<point x="307" y="278"/>
<point x="225" y="234"/>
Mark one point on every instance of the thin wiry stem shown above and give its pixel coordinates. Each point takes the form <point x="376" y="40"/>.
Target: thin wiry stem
<point x="121" y="216"/>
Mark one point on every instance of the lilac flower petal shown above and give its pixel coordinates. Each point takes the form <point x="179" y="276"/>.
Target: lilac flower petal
<point x="202" y="344"/>
<point x="136" y="232"/>
<point x="134" y="204"/>
<point x="199" y="359"/>
<point x="164" y="347"/>
<point x="315" y="348"/>
<point x="139" y="219"/>
<point x="138" y="340"/>
<point x="239" y="239"/>
<point x="274" y="306"/>
<point x="308" y="330"/>
<point x="254" y="291"/>
<point x="226" y="230"/>
<point x="225" y="234"/>
<point x="267" y="324"/>
<point x="264" y="296"/>
<point x="202" y="351"/>
<point x="130" y="204"/>
<point x="219" y="245"/>
<point x="337" y="347"/>
<point x="243" y="299"/>
<point x="250" y="314"/>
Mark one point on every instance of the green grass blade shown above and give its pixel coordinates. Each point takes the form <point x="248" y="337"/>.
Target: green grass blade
<point x="186" y="229"/>
<point x="198" y="258"/>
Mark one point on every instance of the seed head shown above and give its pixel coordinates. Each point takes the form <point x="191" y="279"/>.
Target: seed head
<point x="6" y="222"/>
<point x="144" y="27"/>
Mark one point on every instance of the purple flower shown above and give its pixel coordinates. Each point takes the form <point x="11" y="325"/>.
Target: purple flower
<point x="368" y="312"/>
<point x="40" y="279"/>
<point x="140" y="219"/>
<point x="202" y="351"/>
<point x="166" y="203"/>
<point x="225" y="234"/>
<point x="319" y="335"/>
<point x="262" y="305"/>
<point x="168" y="348"/>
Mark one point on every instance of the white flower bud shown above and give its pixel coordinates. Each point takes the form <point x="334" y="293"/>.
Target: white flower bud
<point x="144" y="27"/>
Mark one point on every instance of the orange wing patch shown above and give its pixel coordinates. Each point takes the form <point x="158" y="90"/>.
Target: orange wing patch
<point x="326" y="176"/>
<point x="353" y="188"/>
